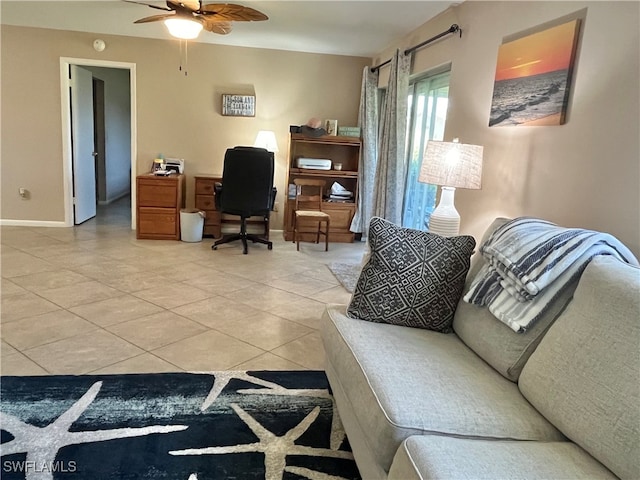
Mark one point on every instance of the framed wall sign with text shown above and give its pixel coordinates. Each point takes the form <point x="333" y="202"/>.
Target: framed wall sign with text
<point x="238" y="105"/>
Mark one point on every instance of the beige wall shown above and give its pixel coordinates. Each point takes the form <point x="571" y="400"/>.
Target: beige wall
<point x="176" y="115"/>
<point x="585" y="173"/>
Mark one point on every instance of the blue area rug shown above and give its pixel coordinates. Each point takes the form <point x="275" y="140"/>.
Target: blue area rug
<point x="190" y="426"/>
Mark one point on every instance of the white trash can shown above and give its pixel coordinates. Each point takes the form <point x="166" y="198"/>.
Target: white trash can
<point x="191" y="225"/>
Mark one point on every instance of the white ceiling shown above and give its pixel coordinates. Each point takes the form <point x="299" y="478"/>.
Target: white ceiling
<point x="359" y="28"/>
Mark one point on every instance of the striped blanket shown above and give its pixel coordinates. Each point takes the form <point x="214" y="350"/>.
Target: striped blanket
<point x="529" y="262"/>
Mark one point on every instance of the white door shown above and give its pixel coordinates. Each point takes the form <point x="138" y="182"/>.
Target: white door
<point x="84" y="169"/>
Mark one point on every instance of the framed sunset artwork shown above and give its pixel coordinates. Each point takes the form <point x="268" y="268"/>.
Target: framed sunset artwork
<point x="533" y="77"/>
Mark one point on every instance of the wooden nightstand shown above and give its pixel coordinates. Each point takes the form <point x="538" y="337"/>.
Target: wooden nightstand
<point x="159" y="200"/>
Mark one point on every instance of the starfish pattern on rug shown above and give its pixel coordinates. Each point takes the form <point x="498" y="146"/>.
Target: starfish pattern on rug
<point x="301" y="471"/>
<point x="310" y="474"/>
<point x="337" y="430"/>
<point x="41" y="444"/>
<point x="222" y="379"/>
<point x="275" y="448"/>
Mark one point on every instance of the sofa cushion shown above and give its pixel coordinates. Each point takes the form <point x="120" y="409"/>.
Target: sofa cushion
<point x="408" y="381"/>
<point x="412" y="278"/>
<point x="501" y="347"/>
<point x="585" y="374"/>
<point x="435" y="457"/>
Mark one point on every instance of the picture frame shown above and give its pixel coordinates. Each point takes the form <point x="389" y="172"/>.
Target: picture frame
<point x="331" y="126"/>
<point x="234" y="105"/>
<point x="533" y="77"/>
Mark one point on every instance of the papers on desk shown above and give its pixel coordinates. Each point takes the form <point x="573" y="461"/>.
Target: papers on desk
<point x="339" y="193"/>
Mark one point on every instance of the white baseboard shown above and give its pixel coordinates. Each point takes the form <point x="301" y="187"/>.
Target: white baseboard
<point x="114" y="199"/>
<point x="31" y="223"/>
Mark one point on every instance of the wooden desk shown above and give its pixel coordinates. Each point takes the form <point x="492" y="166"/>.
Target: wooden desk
<point x="214" y="220"/>
<point x="159" y="200"/>
<point x="206" y="201"/>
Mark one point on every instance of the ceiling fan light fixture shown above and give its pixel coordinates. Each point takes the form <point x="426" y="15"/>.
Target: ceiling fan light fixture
<point x="183" y="28"/>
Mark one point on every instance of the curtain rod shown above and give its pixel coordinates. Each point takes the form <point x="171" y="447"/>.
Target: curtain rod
<point x="452" y="29"/>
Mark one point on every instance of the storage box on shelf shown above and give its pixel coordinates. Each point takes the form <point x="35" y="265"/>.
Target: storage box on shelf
<point x="349" y="131"/>
<point x="340" y="150"/>
<point x="159" y="200"/>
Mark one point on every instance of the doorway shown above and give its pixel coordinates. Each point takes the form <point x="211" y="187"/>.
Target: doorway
<point x="114" y="179"/>
<point x="99" y="140"/>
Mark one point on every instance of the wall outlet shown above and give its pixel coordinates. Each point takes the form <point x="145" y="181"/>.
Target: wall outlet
<point x="23" y="192"/>
<point x="276" y="207"/>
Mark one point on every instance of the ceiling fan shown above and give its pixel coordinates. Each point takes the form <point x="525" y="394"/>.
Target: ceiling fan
<point x="187" y="18"/>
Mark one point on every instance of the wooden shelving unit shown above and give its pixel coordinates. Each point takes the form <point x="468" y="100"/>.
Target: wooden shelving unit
<point x="344" y="150"/>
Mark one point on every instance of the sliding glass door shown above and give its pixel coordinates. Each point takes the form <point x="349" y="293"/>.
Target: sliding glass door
<point x="427" y="114"/>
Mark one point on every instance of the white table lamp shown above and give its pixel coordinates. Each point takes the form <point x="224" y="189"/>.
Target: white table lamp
<point x="451" y="165"/>
<point x="266" y="139"/>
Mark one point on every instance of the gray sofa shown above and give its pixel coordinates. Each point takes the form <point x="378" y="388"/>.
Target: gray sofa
<point x="559" y="401"/>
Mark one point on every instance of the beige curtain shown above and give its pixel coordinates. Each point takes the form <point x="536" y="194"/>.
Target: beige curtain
<point x="368" y="123"/>
<point x="391" y="167"/>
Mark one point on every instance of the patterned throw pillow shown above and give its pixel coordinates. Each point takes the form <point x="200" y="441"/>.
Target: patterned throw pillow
<point x="412" y="278"/>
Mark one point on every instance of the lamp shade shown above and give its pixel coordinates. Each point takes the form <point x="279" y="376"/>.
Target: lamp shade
<point x="183" y="28"/>
<point x="266" y="139"/>
<point x="452" y="164"/>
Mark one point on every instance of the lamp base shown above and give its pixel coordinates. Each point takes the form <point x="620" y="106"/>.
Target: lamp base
<point x="445" y="219"/>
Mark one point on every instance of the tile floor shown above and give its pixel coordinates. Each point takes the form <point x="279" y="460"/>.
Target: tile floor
<point x="94" y="299"/>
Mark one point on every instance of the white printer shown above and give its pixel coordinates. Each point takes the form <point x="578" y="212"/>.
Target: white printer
<point x="314" y="163"/>
<point x="174" y="164"/>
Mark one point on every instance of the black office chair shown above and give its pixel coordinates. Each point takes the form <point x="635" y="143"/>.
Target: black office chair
<point x="247" y="190"/>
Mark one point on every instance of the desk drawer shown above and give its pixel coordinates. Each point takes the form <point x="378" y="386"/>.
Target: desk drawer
<point x="341" y="215"/>
<point x="155" y="193"/>
<point x="205" y="202"/>
<point x="214" y="231"/>
<point x="205" y="186"/>
<point x="212" y="218"/>
<point x="158" y="223"/>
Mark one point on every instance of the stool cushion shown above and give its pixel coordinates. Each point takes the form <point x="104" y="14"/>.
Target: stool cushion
<point x="311" y="213"/>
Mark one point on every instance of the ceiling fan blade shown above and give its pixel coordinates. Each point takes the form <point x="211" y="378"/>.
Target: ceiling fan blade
<point x="148" y="5"/>
<point x="232" y="12"/>
<point x="221" y="28"/>
<point x="192" y="5"/>
<point x="155" y="18"/>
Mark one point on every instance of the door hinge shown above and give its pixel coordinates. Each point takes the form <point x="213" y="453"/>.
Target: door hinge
<point x="75" y="201"/>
